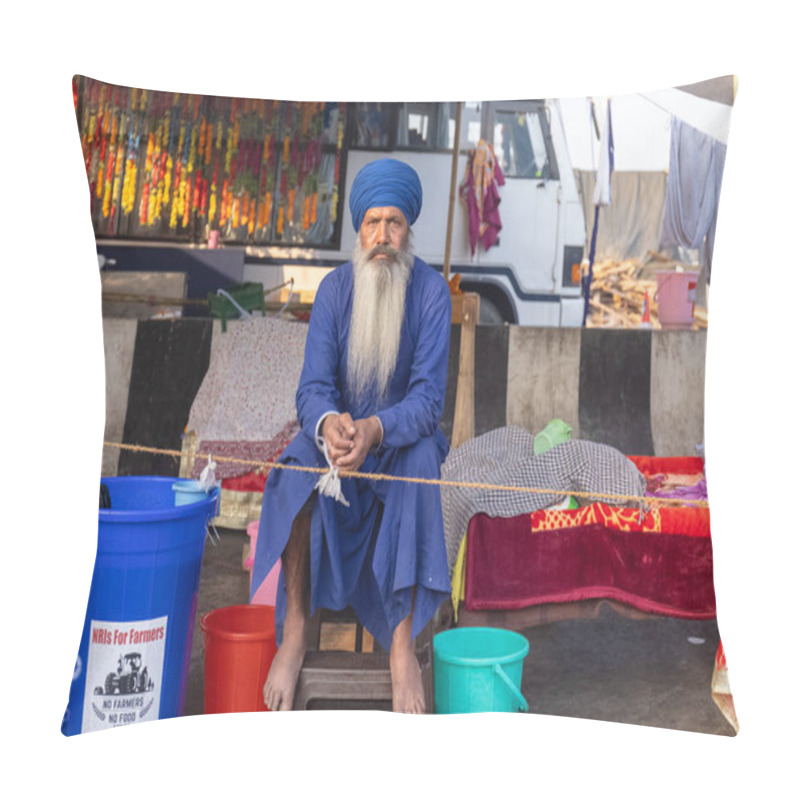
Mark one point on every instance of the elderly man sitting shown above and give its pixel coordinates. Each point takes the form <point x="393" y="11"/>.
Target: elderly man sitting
<point x="371" y="395"/>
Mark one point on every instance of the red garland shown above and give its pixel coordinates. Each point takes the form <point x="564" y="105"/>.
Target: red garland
<point x="196" y="194"/>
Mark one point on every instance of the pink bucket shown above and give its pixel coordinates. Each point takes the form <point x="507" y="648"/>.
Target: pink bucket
<point x="268" y="591"/>
<point x="675" y="295"/>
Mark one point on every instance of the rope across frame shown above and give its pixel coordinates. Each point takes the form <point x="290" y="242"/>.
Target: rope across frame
<point x="377" y="476"/>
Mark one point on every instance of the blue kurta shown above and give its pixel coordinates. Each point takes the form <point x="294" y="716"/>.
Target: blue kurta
<point x="371" y="555"/>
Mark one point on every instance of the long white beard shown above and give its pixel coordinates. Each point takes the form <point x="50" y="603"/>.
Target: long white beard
<point x="379" y="300"/>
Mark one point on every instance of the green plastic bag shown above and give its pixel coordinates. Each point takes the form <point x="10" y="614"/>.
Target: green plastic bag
<point x="555" y="432"/>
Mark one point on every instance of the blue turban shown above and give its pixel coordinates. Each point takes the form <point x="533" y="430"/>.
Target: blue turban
<point x="382" y="183"/>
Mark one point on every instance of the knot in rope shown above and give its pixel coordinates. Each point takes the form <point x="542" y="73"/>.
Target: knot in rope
<point x="208" y="478"/>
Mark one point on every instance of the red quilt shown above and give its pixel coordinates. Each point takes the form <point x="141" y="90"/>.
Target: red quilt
<point x="659" y="562"/>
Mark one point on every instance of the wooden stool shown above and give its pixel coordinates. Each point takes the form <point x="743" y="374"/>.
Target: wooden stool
<point x="356" y="679"/>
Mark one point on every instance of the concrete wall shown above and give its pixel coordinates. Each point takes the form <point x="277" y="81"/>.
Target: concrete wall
<point x="677" y="391"/>
<point x="119" y="338"/>
<point x="638" y="390"/>
<point x="642" y="391"/>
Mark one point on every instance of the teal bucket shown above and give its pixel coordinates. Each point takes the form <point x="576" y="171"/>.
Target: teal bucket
<point x="478" y="669"/>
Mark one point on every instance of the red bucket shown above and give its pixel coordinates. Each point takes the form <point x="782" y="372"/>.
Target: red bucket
<point x="239" y="648"/>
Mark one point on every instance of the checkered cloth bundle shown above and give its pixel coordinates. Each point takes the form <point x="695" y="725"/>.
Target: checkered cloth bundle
<point x="505" y="457"/>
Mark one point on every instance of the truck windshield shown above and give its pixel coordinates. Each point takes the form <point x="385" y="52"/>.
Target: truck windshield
<point x="519" y="144"/>
<point x="414" y="126"/>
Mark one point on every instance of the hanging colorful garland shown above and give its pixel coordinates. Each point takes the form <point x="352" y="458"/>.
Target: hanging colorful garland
<point x="170" y="165"/>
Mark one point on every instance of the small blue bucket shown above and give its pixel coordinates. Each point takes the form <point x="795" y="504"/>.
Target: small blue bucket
<point x="188" y="492"/>
<point x="478" y="669"/>
<point x="133" y="659"/>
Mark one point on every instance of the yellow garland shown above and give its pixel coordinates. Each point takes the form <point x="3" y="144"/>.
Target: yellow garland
<point x="192" y="147"/>
<point x="101" y="172"/>
<point x="129" y="187"/>
<point x="209" y="140"/>
<point x="148" y="162"/>
<point x="152" y="200"/>
<point x="126" y="186"/>
<point x="181" y="196"/>
<point x="173" y="215"/>
<point x="91" y="126"/>
<point x="151" y="206"/>
<point x="109" y="171"/>
<point x="117" y="172"/>
<point x="228" y="154"/>
<point x="235" y="218"/>
<point x="106" y="197"/>
<point x="175" y="190"/>
<point x="163" y="185"/>
<point x="186" y="202"/>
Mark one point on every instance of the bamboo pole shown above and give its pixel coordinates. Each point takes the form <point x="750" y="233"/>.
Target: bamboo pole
<point x="464" y="415"/>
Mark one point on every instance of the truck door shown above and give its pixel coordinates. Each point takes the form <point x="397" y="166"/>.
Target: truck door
<point x="529" y="239"/>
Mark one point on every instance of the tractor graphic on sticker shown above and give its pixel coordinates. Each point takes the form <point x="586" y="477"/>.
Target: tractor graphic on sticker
<point x="129" y="677"/>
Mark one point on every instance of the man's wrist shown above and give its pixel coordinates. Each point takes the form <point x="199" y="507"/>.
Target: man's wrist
<point x="321" y="423"/>
<point x="378" y="436"/>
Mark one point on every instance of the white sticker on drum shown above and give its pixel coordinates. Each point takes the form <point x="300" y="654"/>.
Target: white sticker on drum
<point x="124" y="673"/>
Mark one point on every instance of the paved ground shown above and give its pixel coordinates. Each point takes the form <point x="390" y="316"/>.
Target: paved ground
<point x="636" y="671"/>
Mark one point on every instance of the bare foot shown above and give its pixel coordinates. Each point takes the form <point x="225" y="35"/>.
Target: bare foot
<point x="285" y="669"/>
<point x="408" y="696"/>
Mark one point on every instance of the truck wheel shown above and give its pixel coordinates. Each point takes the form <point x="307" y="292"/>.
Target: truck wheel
<point x="489" y="313"/>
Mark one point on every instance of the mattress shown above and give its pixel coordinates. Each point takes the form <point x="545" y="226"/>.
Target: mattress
<point x="657" y="561"/>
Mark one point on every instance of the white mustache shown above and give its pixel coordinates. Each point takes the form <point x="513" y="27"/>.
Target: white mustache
<point x="383" y="250"/>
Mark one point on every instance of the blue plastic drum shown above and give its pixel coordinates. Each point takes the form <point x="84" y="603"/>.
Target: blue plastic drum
<point x="133" y="659"/>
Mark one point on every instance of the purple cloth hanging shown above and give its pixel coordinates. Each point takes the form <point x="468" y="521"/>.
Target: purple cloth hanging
<point x="696" y="162"/>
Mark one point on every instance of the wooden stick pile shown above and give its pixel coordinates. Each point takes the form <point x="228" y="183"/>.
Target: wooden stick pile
<point x="618" y="293"/>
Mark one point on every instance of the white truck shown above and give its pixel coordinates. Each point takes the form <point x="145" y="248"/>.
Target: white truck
<point x="532" y="275"/>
